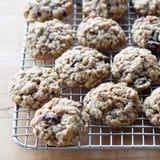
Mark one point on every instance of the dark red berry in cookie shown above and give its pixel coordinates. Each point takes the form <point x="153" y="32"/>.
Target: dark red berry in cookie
<point x="153" y="46"/>
<point x="48" y="117"/>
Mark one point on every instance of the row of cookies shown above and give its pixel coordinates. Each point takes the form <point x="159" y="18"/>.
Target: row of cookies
<point x="107" y="34"/>
<point x="62" y="122"/>
<point x="117" y="104"/>
<point x="116" y="9"/>
<point x="51" y="39"/>
<point x="42" y="10"/>
<point x="85" y="67"/>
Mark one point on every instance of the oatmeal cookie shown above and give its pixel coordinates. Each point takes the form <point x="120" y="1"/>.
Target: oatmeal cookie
<point x="114" y="9"/>
<point x="146" y="33"/>
<point x="43" y="10"/>
<point x="147" y="7"/>
<point x="151" y="107"/>
<point x="34" y="87"/>
<point x="114" y="104"/>
<point x="100" y="33"/>
<point x="82" y="67"/>
<point x="136" y="66"/>
<point x="60" y="122"/>
<point x="48" y="39"/>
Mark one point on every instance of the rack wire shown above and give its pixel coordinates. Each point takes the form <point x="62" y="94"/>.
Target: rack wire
<point x="141" y="134"/>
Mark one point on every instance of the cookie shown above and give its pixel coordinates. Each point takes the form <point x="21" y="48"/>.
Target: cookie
<point x="114" y="9"/>
<point x="82" y="67"/>
<point x="34" y="87"/>
<point x="151" y="107"/>
<point x="60" y="122"/>
<point x="43" y="10"/>
<point x="146" y="33"/>
<point x="147" y="7"/>
<point x="136" y="66"/>
<point x="100" y="33"/>
<point x="114" y="104"/>
<point x="48" y="39"/>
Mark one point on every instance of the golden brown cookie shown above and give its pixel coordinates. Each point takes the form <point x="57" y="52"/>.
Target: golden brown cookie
<point x="60" y="122"/>
<point x="48" y="39"/>
<point x="100" y="33"/>
<point x="33" y="87"/>
<point x="114" y="104"/>
<point x="82" y="67"/>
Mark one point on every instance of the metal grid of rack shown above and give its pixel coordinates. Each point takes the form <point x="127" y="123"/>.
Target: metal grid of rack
<point x="139" y="135"/>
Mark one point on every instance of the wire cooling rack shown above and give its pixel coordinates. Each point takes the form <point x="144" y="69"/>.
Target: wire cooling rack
<point x="139" y="135"/>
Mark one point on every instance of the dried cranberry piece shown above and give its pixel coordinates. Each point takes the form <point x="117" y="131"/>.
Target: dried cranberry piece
<point x="153" y="46"/>
<point x="64" y="13"/>
<point x="39" y="14"/>
<point x="48" y="117"/>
